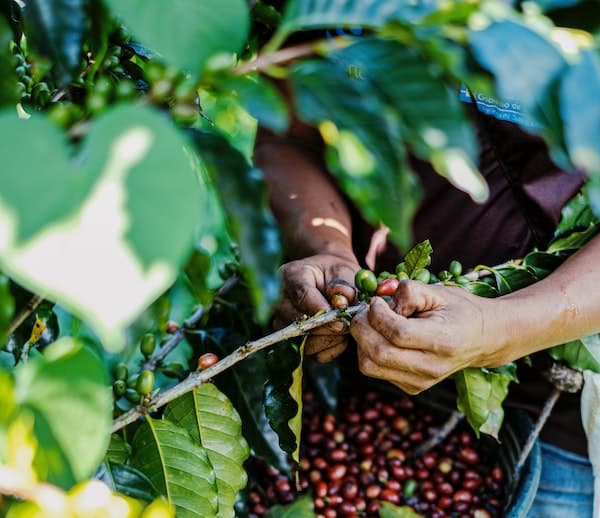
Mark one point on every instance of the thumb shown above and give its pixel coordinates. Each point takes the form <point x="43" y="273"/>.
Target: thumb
<point x="342" y="287"/>
<point x="414" y="297"/>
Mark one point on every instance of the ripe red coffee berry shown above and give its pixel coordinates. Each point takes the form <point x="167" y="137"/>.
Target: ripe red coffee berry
<point x="387" y="287"/>
<point x="171" y="327"/>
<point x="207" y="360"/>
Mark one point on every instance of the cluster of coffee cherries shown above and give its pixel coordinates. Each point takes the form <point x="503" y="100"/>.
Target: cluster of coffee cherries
<point x="365" y="456"/>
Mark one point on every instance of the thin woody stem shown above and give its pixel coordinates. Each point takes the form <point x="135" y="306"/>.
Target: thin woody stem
<point x="197" y="378"/>
<point x="24" y="314"/>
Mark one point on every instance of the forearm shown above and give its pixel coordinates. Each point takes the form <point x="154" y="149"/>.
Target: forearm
<point x="313" y="217"/>
<point x="563" y="307"/>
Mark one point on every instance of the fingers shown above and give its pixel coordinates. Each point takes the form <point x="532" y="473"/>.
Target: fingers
<point x="332" y="353"/>
<point x="414" y="297"/>
<point x="342" y="287"/>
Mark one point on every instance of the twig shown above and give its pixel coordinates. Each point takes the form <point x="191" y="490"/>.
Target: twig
<point x="533" y="435"/>
<point x="188" y="324"/>
<point x="281" y="56"/>
<point x="451" y="423"/>
<point x="24" y="314"/>
<point x="196" y="378"/>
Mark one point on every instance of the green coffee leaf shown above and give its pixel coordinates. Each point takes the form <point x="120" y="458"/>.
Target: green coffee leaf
<point x="260" y="99"/>
<point x="387" y="510"/>
<point x="300" y="508"/>
<point x="212" y="422"/>
<point x="480" y="394"/>
<point x="7" y="306"/>
<point x="319" y="14"/>
<point x="481" y="289"/>
<point x="583" y="354"/>
<point x="543" y="263"/>
<point x="131" y="482"/>
<point x="100" y="209"/>
<point x="67" y="392"/>
<point x="177" y="466"/>
<point x="417" y="258"/>
<point x="186" y="33"/>
<point x="580" y="113"/>
<point x="118" y="450"/>
<point x="512" y="278"/>
<point x="251" y="223"/>
<point x="283" y="395"/>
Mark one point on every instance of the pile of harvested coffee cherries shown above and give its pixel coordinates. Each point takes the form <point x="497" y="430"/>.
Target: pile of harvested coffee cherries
<point x="352" y="462"/>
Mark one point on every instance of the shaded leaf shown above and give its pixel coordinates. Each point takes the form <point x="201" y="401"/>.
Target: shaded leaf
<point x="388" y="510"/>
<point x="132" y="482"/>
<point x="581" y="112"/>
<point x="177" y="466"/>
<point x="186" y="33"/>
<point x="512" y="278"/>
<point x="283" y="395"/>
<point x="300" y="508"/>
<point x="482" y="289"/>
<point x="417" y="258"/>
<point x="118" y="449"/>
<point x="480" y="394"/>
<point x="575" y="239"/>
<point x="7" y="305"/>
<point x="56" y="28"/>
<point x="543" y="263"/>
<point x="260" y="98"/>
<point x="67" y="392"/>
<point x="119" y="178"/>
<point x="583" y="354"/>
<point x="251" y="223"/>
<point x="211" y="421"/>
<point x="315" y="14"/>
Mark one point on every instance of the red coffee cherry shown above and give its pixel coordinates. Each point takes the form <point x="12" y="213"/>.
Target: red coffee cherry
<point x="207" y="360"/>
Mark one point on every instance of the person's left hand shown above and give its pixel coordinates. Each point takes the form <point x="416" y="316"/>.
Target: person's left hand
<point x="425" y="334"/>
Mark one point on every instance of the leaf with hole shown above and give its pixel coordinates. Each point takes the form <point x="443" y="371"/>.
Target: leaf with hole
<point x="212" y="422"/>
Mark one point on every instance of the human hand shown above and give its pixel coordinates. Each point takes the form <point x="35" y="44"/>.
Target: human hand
<point x="425" y="334"/>
<point x="308" y="285"/>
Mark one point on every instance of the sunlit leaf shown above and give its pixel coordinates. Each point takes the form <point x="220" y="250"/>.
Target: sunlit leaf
<point x="186" y="33"/>
<point x="417" y="258"/>
<point x="388" y="510"/>
<point x="67" y="392"/>
<point x="212" y="422"/>
<point x="177" y="466"/>
<point x="583" y="354"/>
<point x="300" y="508"/>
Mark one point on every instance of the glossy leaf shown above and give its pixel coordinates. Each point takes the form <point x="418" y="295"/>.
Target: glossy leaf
<point x="581" y="113"/>
<point x="301" y="508"/>
<point x="583" y="354"/>
<point x="260" y="98"/>
<point x="67" y="392"/>
<point x="319" y="14"/>
<point x="480" y="394"/>
<point x="481" y="289"/>
<point x="186" y="33"/>
<point x="57" y="28"/>
<point x="521" y="76"/>
<point x="132" y="482"/>
<point x="512" y="278"/>
<point x="387" y="510"/>
<point x="7" y="305"/>
<point x="177" y="466"/>
<point x="543" y="263"/>
<point x="212" y="421"/>
<point x="244" y="198"/>
<point x="119" y="178"/>
<point x="118" y="450"/>
<point x="283" y="395"/>
<point x="417" y="258"/>
<point x="8" y="78"/>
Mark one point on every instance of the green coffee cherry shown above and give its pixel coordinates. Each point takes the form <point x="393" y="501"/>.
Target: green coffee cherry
<point x="103" y="86"/>
<point x="423" y="275"/>
<point x="145" y="382"/>
<point x="95" y="103"/>
<point x="148" y="344"/>
<point x="120" y="371"/>
<point x="444" y="275"/>
<point x="119" y="388"/>
<point x="402" y="276"/>
<point x="400" y="268"/>
<point x="409" y="488"/>
<point x="133" y="396"/>
<point x="455" y="268"/>
<point x="366" y="281"/>
<point x="125" y="89"/>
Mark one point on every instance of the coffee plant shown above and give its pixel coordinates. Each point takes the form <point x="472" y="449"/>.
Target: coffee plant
<point x="139" y="258"/>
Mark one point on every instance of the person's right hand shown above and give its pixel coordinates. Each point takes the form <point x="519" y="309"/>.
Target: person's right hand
<point x="308" y="285"/>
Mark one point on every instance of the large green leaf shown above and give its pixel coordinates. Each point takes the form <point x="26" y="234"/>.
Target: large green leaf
<point x="521" y="76"/>
<point x="94" y="240"/>
<point x="318" y="14"/>
<point x="211" y="420"/>
<point x="67" y="392"/>
<point x="56" y="28"/>
<point x="480" y="393"/>
<point x="403" y="100"/>
<point x="300" y="508"/>
<point x="583" y="354"/>
<point x="580" y="111"/>
<point x="132" y="482"/>
<point x="8" y="78"/>
<point x="186" y="33"/>
<point x="177" y="466"/>
<point x="283" y="395"/>
<point x="388" y="510"/>
<point x="244" y="198"/>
